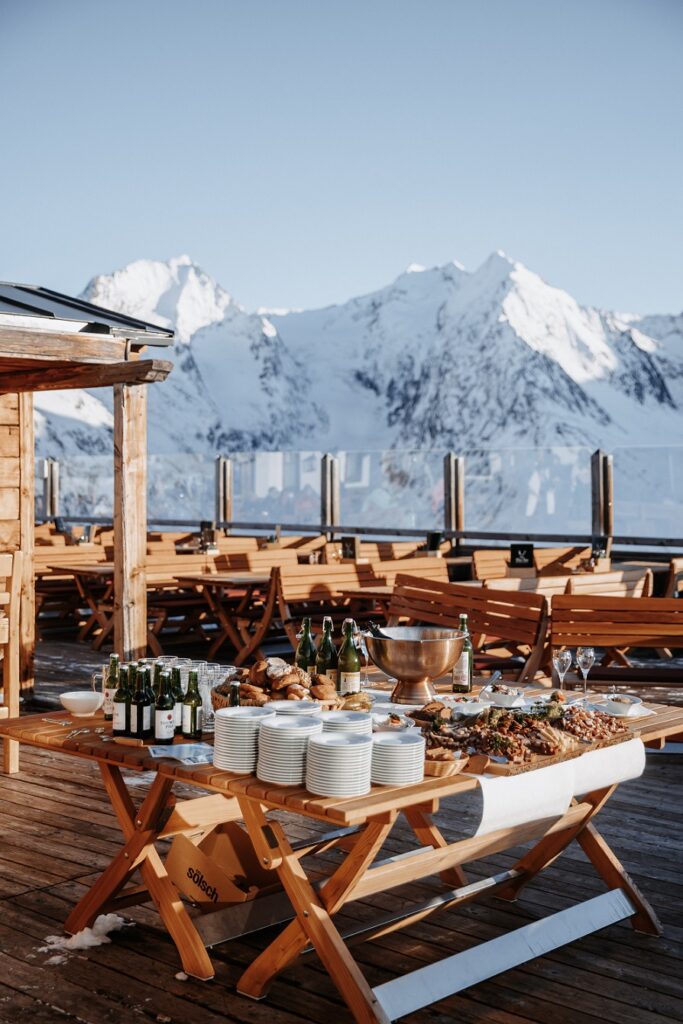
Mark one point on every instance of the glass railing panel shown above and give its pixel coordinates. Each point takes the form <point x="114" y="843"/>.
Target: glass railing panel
<point x="182" y="486"/>
<point x="402" y="489"/>
<point x="528" y="490"/>
<point x="648" y="491"/>
<point x="86" y="485"/>
<point x="276" y="487"/>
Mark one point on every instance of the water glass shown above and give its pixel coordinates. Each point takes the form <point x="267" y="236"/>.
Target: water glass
<point x="562" y="661"/>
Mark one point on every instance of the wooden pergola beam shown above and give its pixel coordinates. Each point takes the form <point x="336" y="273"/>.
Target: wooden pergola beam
<point x="49" y="377"/>
<point x="55" y="346"/>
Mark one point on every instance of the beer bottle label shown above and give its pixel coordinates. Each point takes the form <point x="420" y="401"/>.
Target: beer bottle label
<point x="133" y="718"/>
<point x="147" y="718"/>
<point x="187" y="718"/>
<point x="164" y="724"/>
<point x="178" y="715"/>
<point x="331" y="673"/>
<point x="108" y="706"/>
<point x="349" y="682"/>
<point x="461" y="673"/>
<point x="119" y="721"/>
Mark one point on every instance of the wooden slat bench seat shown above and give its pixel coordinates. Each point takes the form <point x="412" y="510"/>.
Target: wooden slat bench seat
<point x="617" y="624"/>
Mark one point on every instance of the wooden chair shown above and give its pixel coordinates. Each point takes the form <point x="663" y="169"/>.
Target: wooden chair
<point x="231" y="544"/>
<point x="512" y="621"/>
<point x="426" y="568"/>
<point x="617" y="624"/>
<point x="10" y="592"/>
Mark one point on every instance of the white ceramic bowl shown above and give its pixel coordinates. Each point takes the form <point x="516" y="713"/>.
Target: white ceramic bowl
<point x="82" y="703"/>
<point x="622" y="704"/>
<point x="503" y="700"/>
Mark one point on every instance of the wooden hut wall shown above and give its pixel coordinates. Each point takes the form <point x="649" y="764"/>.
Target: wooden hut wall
<point x="17" y="509"/>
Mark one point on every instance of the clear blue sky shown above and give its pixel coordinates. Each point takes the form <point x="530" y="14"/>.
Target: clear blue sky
<point x="303" y="152"/>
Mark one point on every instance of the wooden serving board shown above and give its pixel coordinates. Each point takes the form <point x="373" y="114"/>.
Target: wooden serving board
<point x="479" y="763"/>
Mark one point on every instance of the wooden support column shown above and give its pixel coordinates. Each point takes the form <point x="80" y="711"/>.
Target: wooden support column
<point x="130" y="520"/>
<point x="27" y="618"/>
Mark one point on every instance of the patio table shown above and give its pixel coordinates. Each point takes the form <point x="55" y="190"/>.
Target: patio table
<point x="87" y="579"/>
<point x="212" y="588"/>
<point x="359" y="827"/>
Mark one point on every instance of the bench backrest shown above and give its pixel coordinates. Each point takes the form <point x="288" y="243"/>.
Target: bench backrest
<point x="322" y="582"/>
<point x="620" y="582"/>
<point x="426" y="568"/>
<point x="675" y="578"/>
<point x="511" y="616"/>
<point x="488" y="565"/>
<point x="228" y="545"/>
<point x="613" y="622"/>
<point x="560" y="560"/>
<point x="546" y="585"/>
<point x="256" y="561"/>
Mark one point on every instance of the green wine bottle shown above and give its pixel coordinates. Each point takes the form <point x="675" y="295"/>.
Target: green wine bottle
<point x="349" y="666"/>
<point x="132" y="687"/>
<point x="178" y="695"/>
<point x="164" y="711"/>
<point x="111" y="684"/>
<point x="306" y="652"/>
<point x="327" y="660"/>
<point x="192" y="709"/>
<point x="462" y="672"/>
<point x="141" y="707"/>
<point x="121" y="705"/>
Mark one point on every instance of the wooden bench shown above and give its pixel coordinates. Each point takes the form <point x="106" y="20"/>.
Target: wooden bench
<point x="257" y="561"/>
<point x="675" y="578"/>
<point x="617" y="624"/>
<point x="621" y="582"/>
<point x="317" y="590"/>
<point x="10" y="590"/>
<point x="512" y="621"/>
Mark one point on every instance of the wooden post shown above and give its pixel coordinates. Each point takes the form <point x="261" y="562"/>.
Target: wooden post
<point x="608" y="499"/>
<point x="597" y="495"/>
<point x="130" y="520"/>
<point x="329" y="491"/>
<point x="27" y="618"/>
<point x="454" y="493"/>
<point x="224" y="490"/>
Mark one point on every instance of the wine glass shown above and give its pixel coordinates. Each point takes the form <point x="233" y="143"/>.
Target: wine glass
<point x="585" y="658"/>
<point x="562" y="661"/>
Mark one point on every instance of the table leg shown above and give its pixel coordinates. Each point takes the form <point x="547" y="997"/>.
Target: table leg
<point x="313" y="923"/>
<point x="140" y="830"/>
<point x="426" y="831"/>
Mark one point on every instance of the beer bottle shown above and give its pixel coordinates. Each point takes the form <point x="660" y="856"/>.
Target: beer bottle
<point x="132" y="687"/>
<point x="462" y="672"/>
<point x="164" y="711"/>
<point x="158" y="668"/>
<point x="306" y="652"/>
<point x="141" y="707"/>
<point x="178" y="695"/>
<point x="348" y="678"/>
<point x="327" y="660"/>
<point x="111" y="683"/>
<point x="121" y="706"/>
<point x="151" y="696"/>
<point x="192" y="709"/>
<point x="235" y="693"/>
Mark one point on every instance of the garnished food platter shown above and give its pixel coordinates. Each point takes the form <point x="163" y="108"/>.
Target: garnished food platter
<point x="509" y="741"/>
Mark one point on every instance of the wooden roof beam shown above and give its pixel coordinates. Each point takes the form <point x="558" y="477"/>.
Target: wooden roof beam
<point x="71" y="375"/>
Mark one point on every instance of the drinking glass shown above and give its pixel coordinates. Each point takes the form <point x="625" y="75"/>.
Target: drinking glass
<point x="585" y="658"/>
<point x="99" y="680"/>
<point x="562" y="661"/>
<point x="206" y="683"/>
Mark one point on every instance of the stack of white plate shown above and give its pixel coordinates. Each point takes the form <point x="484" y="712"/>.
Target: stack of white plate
<point x="398" y="758"/>
<point x="347" y="721"/>
<point x="282" y="748"/>
<point x="339" y="764"/>
<point x="235" y="741"/>
<point x="295" y="707"/>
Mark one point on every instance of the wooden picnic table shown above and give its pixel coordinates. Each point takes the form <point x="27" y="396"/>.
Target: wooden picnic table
<point x="228" y="615"/>
<point x="307" y="906"/>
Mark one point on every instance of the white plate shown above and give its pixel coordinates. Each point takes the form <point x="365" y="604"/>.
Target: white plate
<point x="295" y="707"/>
<point x="243" y="712"/>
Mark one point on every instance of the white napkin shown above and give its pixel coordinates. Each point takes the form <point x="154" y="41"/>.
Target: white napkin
<point x="607" y="767"/>
<point x="532" y="796"/>
<point x="546" y="793"/>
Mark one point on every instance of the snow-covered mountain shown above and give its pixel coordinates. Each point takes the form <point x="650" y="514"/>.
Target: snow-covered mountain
<point x="441" y="358"/>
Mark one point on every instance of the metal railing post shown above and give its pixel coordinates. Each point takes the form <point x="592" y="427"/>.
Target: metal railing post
<point x="223" y="490"/>
<point x="52" y="508"/>
<point x="329" y="491"/>
<point x="45" y="474"/>
<point x="602" y="497"/>
<point x="454" y="493"/>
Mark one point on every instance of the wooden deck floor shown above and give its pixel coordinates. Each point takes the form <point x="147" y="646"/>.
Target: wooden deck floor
<point x="58" y="833"/>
